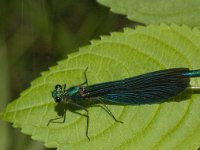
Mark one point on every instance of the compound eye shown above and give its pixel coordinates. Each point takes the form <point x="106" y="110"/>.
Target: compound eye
<point x="58" y="86"/>
<point x="58" y="99"/>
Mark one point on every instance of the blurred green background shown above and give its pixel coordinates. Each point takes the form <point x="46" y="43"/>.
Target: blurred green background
<point x="35" y="34"/>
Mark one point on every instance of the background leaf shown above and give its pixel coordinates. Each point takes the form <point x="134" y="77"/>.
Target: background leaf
<point x="171" y="125"/>
<point x="156" y="11"/>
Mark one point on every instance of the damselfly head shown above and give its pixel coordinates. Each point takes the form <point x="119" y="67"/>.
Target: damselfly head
<point x="58" y="93"/>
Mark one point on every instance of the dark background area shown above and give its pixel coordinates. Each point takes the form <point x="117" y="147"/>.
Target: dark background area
<point x="34" y="35"/>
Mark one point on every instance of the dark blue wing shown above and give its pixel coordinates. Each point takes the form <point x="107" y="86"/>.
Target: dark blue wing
<point x="148" y="88"/>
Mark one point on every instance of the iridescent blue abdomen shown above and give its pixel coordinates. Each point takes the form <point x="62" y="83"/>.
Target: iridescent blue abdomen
<point x="192" y="73"/>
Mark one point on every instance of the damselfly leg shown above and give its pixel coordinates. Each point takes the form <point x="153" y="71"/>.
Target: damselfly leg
<point x="87" y="115"/>
<point x="108" y="110"/>
<point x="86" y="80"/>
<point x="62" y="116"/>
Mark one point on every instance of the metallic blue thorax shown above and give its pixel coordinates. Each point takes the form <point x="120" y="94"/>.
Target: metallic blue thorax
<point x="74" y="93"/>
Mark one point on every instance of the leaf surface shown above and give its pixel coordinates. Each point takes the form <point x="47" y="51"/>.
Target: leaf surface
<point x="157" y="11"/>
<point x="170" y="125"/>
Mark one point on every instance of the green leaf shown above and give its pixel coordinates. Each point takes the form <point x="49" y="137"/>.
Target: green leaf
<point x="156" y="12"/>
<point x="170" y="125"/>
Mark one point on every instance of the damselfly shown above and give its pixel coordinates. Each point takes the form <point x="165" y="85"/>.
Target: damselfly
<point x="154" y="87"/>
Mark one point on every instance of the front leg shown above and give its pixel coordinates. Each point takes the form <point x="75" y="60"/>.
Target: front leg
<point x="54" y="120"/>
<point x="64" y="87"/>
